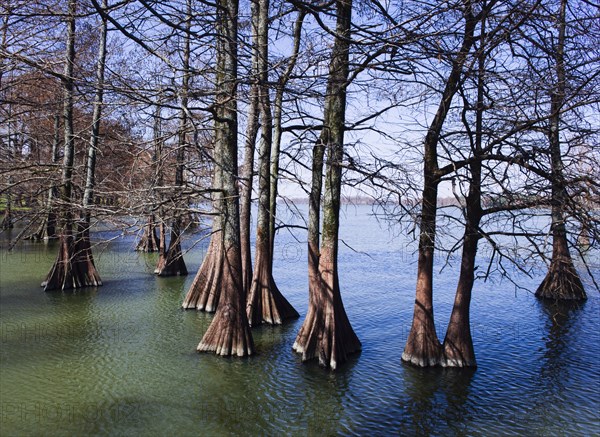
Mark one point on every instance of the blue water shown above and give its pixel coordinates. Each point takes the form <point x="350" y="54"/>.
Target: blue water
<point x="121" y="360"/>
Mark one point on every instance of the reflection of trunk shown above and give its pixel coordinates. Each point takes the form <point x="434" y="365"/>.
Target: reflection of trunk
<point x="72" y="267"/>
<point x="422" y="346"/>
<point x="277" y="113"/>
<point x="229" y="332"/>
<point x="326" y="332"/>
<point x="562" y="280"/>
<point x="265" y="301"/>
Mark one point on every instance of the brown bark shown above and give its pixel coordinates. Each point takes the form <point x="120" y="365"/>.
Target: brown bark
<point x="74" y="266"/>
<point x="229" y="332"/>
<point x="248" y="167"/>
<point x="562" y="282"/>
<point x="458" y="348"/>
<point x="326" y="333"/>
<point x="172" y="262"/>
<point x="205" y="291"/>
<point x="423" y="347"/>
<point x="265" y="302"/>
<point x="149" y="241"/>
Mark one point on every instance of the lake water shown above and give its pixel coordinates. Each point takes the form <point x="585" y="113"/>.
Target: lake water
<point x="121" y="360"/>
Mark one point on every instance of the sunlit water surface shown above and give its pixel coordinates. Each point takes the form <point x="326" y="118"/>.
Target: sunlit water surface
<point x="121" y="359"/>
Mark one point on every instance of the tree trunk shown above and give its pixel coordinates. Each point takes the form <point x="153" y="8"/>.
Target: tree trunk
<point x="47" y="227"/>
<point x="67" y="271"/>
<point x="562" y="282"/>
<point x="149" y="241"/>
<point x="205" y="291"/>
<point x="7" y="220"/>
<point x="173" y="264"/>
<point x="229" y="332"/>
<point x="326" y="333"/>
<point x="265" y="302"/>
<point x="83" y="247"/>
<point x="423" y="347"/>
<point x="277" y="126"/>
<point x="248" y="167"/>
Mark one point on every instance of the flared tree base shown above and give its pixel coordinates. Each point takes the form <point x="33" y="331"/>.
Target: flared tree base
<point x="562" y="282"/>
<point x="228" y="334"/>
<point x="423" y="349"/>
<point x="458" y="351"/>
<point x="172" y="263"/>
<point x="265" y="303"/>
<point x="74" y="266"/>
<point x="327" y="335"/>
<point x="149" y="242"/>
<point x="205" y="291"/>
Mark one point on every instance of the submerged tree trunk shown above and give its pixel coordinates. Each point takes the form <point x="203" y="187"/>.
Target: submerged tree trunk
<point x="265" y="302"/>
<point x="326" y="333"/>
<point x="423" y="347"/>
<point x="229" y="332"/>
<point x="562" y="282"/>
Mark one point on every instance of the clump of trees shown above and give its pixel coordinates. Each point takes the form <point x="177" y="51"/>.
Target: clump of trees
<point x="138" y="109"/>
